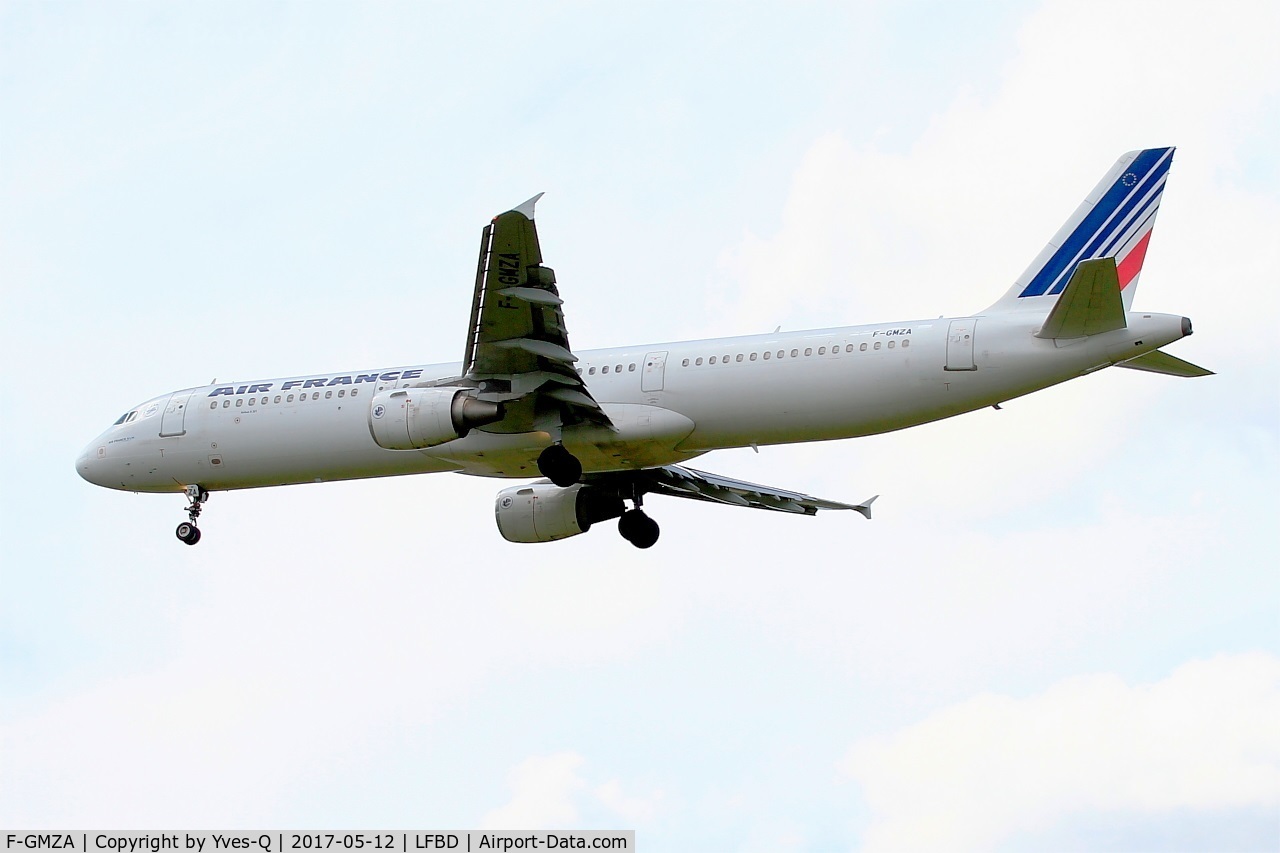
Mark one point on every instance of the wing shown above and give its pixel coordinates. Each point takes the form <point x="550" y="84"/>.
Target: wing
<point x="680" y="482"/>
<point x="517" y="346"/>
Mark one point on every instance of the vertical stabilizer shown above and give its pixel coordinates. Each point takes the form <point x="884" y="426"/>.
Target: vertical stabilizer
<point x="1114" y="221"/>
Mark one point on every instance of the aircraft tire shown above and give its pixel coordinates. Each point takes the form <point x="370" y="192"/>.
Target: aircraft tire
<point x="559" y="466"/>
<point x="638" y="528"/>
<point x="188" y="533"/>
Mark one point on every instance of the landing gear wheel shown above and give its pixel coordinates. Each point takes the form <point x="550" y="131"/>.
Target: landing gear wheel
<point x="559" y="466"/>
<point x="638" y="529"/>
<point x="187" y="531"/>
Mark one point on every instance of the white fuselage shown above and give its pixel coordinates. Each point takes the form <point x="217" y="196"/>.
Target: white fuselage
<point x="669" y="403"/>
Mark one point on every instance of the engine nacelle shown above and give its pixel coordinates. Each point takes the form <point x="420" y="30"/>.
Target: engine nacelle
<point x="542" y="512"/>
<point x="414" y="418"/>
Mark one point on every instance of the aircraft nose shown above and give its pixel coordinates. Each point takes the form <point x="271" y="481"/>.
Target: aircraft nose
<point x="88" y="466"/>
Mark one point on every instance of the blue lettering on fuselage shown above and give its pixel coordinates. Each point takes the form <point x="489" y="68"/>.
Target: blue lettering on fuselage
<point x="261" y="387"/>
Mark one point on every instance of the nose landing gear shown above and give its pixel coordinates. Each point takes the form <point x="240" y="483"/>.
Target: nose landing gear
<point x="187" y="531"/>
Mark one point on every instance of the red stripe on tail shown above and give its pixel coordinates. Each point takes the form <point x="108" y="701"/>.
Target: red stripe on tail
<point x="1128" y="269"/>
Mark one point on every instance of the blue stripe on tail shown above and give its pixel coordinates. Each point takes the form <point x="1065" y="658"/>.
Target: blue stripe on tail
<point x="1098" y="226"/>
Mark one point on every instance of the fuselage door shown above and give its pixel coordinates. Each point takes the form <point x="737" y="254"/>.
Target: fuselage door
<point x="655" y="364"/>
<point x="173" y="421"/>
<point x="960" y="345"/>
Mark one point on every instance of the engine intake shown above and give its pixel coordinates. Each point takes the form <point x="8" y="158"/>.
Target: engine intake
<point x="414" y="418"/>
<point x="542" y="512"/>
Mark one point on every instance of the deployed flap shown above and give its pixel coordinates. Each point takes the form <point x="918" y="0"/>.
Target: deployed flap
<point x="1161" y="362"/>
<point x="517" y="334"/>
<point x="1091" y="304"/>
<point x="678" y="481"/>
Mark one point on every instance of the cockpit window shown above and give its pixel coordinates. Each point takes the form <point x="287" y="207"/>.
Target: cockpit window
<point x="127" y="418"/>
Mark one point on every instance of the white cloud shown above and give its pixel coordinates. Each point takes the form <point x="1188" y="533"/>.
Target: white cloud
<point x="543" y="790"/>
<point x="975" y="773"/>
<point x="633" y="809"/>
<point x="550" y="792"/>
<point x="870" y="233"/>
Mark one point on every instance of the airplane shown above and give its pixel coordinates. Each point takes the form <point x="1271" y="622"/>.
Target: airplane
<point x="606" y="428"/>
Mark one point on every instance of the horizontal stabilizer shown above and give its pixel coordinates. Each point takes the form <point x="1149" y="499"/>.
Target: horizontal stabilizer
<point x="1161" y="362"/>
<point x="1091" y="304"/>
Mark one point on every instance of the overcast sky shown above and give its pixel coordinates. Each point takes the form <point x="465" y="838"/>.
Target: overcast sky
<point x="1060" y="630"/>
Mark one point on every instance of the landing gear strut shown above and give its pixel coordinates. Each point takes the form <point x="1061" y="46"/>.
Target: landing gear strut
<point x="187" y="531"/>
<point x="637" y="527"/>
<point x="559" y="466"/>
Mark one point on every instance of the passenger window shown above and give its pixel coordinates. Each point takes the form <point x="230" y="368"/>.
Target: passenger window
<point x="253" y="400"/>
<point x="355" y="391"/>
<point x="849" y="347"/>
<point x="617" y="368"/>
<point x="604" y="369"/>
<point x="226" y="404"/>
<point x="342" y="392"/>
<point x="794" y="353"/>
<point x="631" y="368"/>
<point x="277" y="398"/>
<point x="711" y="360"/>
<point x="239" y="402"/>
<point x="808" y="351"/>
<point x="315" y="396"/>
<point x="289" y="399"/>
<point x="592" y="371"/>
<point x="684" y="363"/>
<point x="821" y="351"/>
<point x="876" y="345"/>
<point x="698" y="362"/>
<point x="328" y="395"/>
<point x="890" y="344"/>
<point x="753" y="356"/>
<point x="766" y="356"/>
<point x="739" y="357"/>
<point x="214" y="404"/>
<point x="862" y="347"/>
<point x="906" y="343"/>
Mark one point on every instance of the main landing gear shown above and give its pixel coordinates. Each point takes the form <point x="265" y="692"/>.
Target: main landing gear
<point x="636" y="526"/>
<point x="187" y="531"/>
<point x="559" y="466"/>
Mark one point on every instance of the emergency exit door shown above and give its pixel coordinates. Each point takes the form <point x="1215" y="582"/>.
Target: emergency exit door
<point x="655" y="365"/>
<point x="960" y="345"/>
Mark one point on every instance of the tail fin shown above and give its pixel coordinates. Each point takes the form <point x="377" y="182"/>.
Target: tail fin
<point x="1114" y="221"/>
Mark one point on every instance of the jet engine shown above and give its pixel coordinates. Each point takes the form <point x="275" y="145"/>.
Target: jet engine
<point x="414" y="418"/>
<point x="542" y="512"/>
